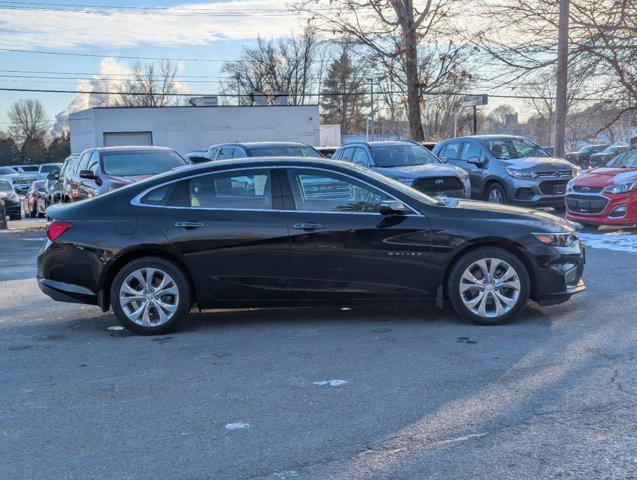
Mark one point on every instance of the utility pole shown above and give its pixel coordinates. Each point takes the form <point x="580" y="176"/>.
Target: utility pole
<point x="371" y="92"/>
<point x="475" y="120"/>
<point x="562" y="80"/>
<point x="238" y="89"/>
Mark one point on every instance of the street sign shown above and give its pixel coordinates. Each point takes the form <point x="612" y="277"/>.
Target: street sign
<point x="473" y="100"/>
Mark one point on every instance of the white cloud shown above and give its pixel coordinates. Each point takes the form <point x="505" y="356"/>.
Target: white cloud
<point x="111" y="78"/>
<point x="180" y="25"/>
<point x="96" y="83"/>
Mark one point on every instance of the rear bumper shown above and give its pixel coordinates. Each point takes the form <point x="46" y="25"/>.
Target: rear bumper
<point x="66" y="292"/>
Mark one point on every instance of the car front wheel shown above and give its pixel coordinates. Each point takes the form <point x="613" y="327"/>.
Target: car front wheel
<point x="496" y="193"/>
<point x="150" y="296"/>
<point x="489" y="286"/>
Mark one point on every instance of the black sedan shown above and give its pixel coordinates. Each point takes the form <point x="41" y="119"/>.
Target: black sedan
<point x="266" y="232"/>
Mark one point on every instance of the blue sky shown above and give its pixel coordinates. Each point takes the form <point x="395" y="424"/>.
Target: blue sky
<point x="186" y="30"/>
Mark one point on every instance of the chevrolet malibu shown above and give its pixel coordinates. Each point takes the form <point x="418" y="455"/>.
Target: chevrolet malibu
<point x="265" y="232"/>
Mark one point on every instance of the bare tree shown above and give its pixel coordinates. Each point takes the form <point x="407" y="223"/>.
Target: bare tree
<point x="289" y="65"/>
<point x="399" y="34"/>
<point x="602" y="46"/>
<point x="28" y="121"/>
<point x="152" y="85"/>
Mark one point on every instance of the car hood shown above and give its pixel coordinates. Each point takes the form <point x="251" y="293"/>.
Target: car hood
<point x="539" y="163"/>
<point x="419" y="171"/>
<point x="606" y="177"/>
<point x="542" y="221"/>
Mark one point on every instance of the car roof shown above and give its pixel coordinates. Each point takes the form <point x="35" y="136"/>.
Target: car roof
<point x="381" y="143"/>
<point x="261" y="144"/>
<point x="483" y="137"/>
<point x="132" y="148"/>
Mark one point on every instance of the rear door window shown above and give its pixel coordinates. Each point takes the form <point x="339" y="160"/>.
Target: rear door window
<point x="361" y="157"/>
<point x="232" y="190"/>
<point x="225" y="152"/>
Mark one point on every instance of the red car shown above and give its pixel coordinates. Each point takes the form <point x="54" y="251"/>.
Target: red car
<point x="33" y="202"/>
<point x="605" y="196"/>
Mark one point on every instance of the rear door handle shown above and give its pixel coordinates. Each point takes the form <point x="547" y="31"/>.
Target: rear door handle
<point x="308" y="226"/>
<point x="188" y="224"/>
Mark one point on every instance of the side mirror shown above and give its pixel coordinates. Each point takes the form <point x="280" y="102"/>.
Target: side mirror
<point x="393" y="207"/>
<point x="476" y="161"/>
<point x="87" y="174"/>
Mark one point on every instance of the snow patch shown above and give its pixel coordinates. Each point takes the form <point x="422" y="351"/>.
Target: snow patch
<point x="333" y="383"/>
<point x="610" y="241"/>
<point x="115" y="328"/>
<point x="462" y="439"/>
<point x="237" y="426"/>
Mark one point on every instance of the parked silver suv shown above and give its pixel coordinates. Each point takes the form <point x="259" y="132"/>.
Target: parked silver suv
<point x="509" y="169"/>
<point x="409" y="163"/>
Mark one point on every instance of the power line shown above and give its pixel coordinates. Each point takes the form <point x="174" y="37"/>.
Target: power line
<point x="390" y="92"/>
<point x="103" y="74"/>
<point x="180" y="10"/>
<point x="128" y="57"/>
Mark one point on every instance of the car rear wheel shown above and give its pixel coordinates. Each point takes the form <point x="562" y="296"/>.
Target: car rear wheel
<point x="489" y="286"/>
<point x="150" y="296"/>
<point x="496" y="193"/>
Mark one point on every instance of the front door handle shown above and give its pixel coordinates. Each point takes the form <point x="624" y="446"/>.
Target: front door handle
<point x="188" y="225"/>
<point x="308" y="226"/>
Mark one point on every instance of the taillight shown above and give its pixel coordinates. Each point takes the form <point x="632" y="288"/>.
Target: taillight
<point x="56" y="228"/>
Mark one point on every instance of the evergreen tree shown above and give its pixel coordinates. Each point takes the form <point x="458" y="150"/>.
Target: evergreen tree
<point x="347" y="109"/>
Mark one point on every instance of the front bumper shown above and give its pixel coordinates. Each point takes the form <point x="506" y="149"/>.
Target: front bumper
<point x="540" y="192"/>
<point x="559" y="272"/>
<point x="610" y="214"/>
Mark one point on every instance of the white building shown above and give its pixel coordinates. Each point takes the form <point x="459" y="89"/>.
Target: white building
<point x="188" y="128"/>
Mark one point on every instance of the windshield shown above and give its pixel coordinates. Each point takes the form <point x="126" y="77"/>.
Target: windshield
<point x="49" y="168"/>
<point x="285" y="152"/>
<point x="132" y="163"/>
<point x="512" y="148"/>
<point x="7" y="171"/>
<point x="29" y="168"/>
<point x="627" y="159"/>
<point x="402" y="156"/>
<point x="5" y="186"/>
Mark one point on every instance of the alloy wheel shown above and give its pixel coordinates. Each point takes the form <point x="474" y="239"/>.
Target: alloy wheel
<point x="495" y="195"/>
<point x="149" y="297"/>
<point x="490" y="287"/>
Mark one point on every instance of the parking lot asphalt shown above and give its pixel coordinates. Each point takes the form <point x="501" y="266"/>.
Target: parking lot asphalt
<point x="324" y="393"/>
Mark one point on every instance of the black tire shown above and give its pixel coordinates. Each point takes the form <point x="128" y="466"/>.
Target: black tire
<point x="183" y="287"/>
<point x="15" y="217"/>
<point x="455" y="276"/>
<point x="495" y="189"/>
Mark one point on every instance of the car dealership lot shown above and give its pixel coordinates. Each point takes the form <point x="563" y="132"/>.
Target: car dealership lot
<point x="321" y="393"/>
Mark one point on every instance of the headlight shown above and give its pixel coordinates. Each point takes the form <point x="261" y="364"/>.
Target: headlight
<point x="576" y="171"/>
<point x="406" y="180"/>
<point x="556" y="239"/>
<point x="521" y="173"/>
<point x="14" y="197"/>
<point x="622" y="187"/>
<point x="569" y="186"/>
